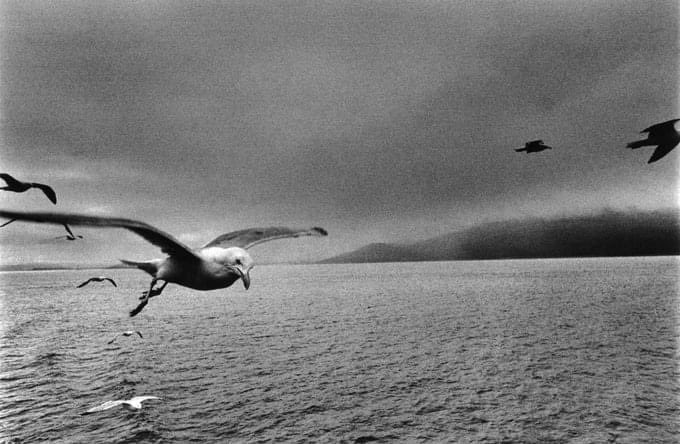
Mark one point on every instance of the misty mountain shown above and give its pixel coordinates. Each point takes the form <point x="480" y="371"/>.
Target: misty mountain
<point x="609" y="233"/>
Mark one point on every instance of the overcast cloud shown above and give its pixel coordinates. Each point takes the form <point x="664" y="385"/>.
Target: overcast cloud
<point x="381" y="121"/>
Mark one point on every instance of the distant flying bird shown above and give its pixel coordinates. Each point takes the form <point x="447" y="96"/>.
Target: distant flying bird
<point x="129" y="404"/>
<point x="126" y="334"/>
<point x="97" y="279"/>
<point x="19" y="187"/>
<point x="662" y="134"/>
<point x="534" y="146"/>
<point x="70" y="236"/>
<point x="7" y="223"/>
<point x="218" y="264"/>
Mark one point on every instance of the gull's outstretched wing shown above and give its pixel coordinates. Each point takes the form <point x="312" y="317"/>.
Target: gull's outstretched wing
<point x="68" y="230"/>
<point x="7" y="223"/>
<point x="10" y="181"/>
<point x="165" y="241"/>
<point x="659" y="127"/>
<point x="107" y="405"/>
<point x="142" y="398"/>
<point x="253" y="236"/>
<point x="139" y="333"/>
<point x="49" y="192"/>
<point x="85" y="283"/>
<point x="112" y="281"/>
<point x="661" y="151"/>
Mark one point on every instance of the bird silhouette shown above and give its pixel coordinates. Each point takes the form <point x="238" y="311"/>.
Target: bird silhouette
<point x="97" y="279"/>
<point x="664" y="135"/>
<point x="126" y="334"/>
<point x="70" y="236"/>
<point x="18" y="186"/>
<point x="129" y="404"/>
<point x="218" y="264"/>
<point x="534" y="146"/>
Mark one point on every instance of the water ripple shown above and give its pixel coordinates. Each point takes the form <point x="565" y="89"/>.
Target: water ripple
<point x="498" y="351"/>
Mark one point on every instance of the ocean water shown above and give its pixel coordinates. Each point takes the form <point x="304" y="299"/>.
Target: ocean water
<point x="526" y="351"/>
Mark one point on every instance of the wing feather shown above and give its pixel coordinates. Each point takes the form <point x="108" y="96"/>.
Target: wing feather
<point x="107" y="405"/>
<point x="253" y="236"/>
<point x="663" y="126"/>
<point x="661" y="151"/>
<point x="165" y="241"/>
<point x="11" y="181"/>
<point x="85" y="283"/>
<point x="49" y="192"/>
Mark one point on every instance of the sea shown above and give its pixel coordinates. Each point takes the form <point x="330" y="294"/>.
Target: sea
<point x="507" y="351"/>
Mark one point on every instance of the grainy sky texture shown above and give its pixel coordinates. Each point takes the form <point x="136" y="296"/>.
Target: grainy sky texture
<point x="380" y="121"/>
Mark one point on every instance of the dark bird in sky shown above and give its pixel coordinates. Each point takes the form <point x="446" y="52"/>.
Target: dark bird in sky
<point x="70" y="236"/>
<point x="129" y="404"/>
<point x="534" y="146"/>
<point x="97" y="279"/>
<point x="126" y="334"/>
<point x="662" y="134"/>
<point x="19" y="187"/>
<point x="218" y="264"/>
<point x="7" y="223"/>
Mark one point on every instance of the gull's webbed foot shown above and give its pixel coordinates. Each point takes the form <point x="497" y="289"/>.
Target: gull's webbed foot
<point x="139" y="308"/>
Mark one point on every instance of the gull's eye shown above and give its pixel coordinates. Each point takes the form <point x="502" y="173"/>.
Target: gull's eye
<point x="238" y="261"/>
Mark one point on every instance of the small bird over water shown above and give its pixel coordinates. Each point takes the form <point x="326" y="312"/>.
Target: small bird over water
<point x="19" y="187"/>
<point x="70" y="236"/>
<point x="218" y="264"/>
<point x="126" y="334"/>
<point x="662" y="134"/>
<point x="97" y="279"/>
<point x="129" y="404"/>
<point x="534" y="146"/>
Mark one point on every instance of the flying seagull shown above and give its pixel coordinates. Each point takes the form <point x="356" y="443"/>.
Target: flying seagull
<point x="126" y="334"/>
<point x="19" y="187"/>
<point x="98" y="279"/>
<point x="534" y="146"/>
<point x="662" y="134"/>
<point x="130" y="404"/>
<point x="218" y="264"/>
<point x="70" y="236"/>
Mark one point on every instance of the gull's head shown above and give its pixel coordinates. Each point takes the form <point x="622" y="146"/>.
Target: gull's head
<point x="233" y="259"/>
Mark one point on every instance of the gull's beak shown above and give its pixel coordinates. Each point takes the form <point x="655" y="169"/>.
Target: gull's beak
<point x="245" y="277"/>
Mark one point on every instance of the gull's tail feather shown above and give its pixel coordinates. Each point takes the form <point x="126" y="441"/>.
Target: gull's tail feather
<point x="639" y="143"/>
<point x="150" y="267"/>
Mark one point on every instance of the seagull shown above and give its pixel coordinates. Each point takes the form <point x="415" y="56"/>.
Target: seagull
<point x="19" y="187"/>
<point x="217" y="264"/>
<point x="98" y="279"/>
<point x="534" y="146"/>
<point x="130" y="404"/>
<point x="663" y="135"/>
<point x="126" y="334"/>
<point x="70" y="236"/>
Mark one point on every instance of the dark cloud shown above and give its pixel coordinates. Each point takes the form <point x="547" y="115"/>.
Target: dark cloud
<point x="377" y="120"/>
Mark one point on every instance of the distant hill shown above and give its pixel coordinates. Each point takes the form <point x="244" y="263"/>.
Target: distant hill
<point x="610" y="233"/>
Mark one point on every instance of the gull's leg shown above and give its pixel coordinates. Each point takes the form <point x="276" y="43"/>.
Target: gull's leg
<point x="145" y="300"/>
<point x="159" y="290"/>
<point x="154" y="292"/>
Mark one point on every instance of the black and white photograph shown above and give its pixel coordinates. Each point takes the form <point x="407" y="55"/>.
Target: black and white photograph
<point x="339" y="221"/>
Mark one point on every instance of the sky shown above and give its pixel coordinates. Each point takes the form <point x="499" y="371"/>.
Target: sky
<point x="381" y="121"/>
